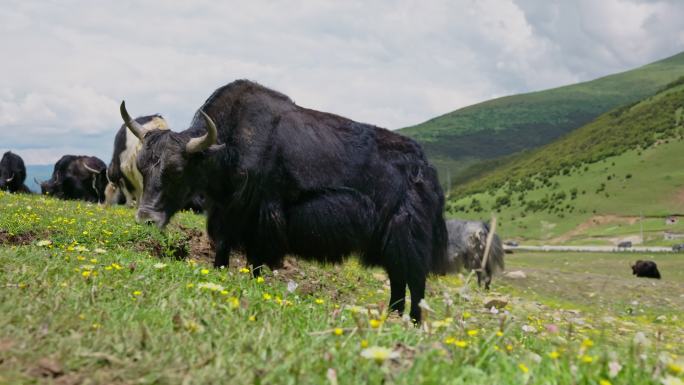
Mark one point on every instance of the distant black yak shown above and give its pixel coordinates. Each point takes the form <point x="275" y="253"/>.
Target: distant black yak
<point x="280" y="179"/>
<point x="13" y="173"/>
<point x="467" y="241"/>
<point x="77" y="177"/>
<point x="647" y="269"/>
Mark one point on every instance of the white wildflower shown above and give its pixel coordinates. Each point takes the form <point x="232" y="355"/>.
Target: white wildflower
<point x="379" y="354"/>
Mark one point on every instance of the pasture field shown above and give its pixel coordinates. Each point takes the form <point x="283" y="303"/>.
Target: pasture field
<point x="89" y="297"/>
<point x="599" y="203"/>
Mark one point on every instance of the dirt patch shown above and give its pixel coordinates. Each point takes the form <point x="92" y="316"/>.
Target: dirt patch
<point x="192" y="244"/>
<point x="23" y="239"/>
<point x="595" y="221"/>
<point x="47" y="367"/>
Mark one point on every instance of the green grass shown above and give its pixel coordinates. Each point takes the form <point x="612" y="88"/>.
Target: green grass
<point x="608" y="204"/>
<point x="504" y="126"/>
<point x="107" y="301"/>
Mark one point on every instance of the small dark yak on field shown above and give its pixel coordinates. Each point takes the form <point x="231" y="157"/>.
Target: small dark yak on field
<point x="647" y="269"/>
<point x="77" y="177"/>
<point x="467" y="242"/>
<point x="281" y="179"/>
<point x="13" y="173"/>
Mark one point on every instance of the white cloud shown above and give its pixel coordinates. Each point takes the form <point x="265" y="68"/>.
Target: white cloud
<point x="66" y="66"/>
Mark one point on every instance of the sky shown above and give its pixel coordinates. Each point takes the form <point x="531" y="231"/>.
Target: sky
<point x="66" y="65"/>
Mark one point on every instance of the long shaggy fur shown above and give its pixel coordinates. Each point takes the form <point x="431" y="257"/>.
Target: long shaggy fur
<point x="467" y="241"/>
<point x="290" y="180"/>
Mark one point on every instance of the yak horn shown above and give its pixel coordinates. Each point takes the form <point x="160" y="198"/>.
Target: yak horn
<point x="136" y="128"/>
<point x="90" y="169"/>
<point x="10" y="179"/>
<point x="204" y="141"/>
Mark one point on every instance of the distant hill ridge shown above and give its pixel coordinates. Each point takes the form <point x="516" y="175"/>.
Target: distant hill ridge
<point x="640" y="125"/>
<point x="500" y="127"/>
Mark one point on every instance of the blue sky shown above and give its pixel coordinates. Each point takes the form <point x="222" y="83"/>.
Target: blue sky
<point x="66" y="65"/>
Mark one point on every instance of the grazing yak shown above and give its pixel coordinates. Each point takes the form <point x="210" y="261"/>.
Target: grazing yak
<point x="467" y="241"/>
<point x="281" y="179"/>
<point x="77" y="177"/>
<point x="13" y="173"/>
<point x="647" y="269"/>
<point x="125" y="181"/>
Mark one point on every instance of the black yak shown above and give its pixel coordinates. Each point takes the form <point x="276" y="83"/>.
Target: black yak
<point x="647" y="269"/>
<point x="13" y="173"/>
<point x="77" y="177"/>
<point x="281" y="179"/>
<point x="125" y="181"/>
<point x="467" y="241"/>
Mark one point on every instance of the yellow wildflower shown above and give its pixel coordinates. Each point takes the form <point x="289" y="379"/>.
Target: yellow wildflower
<point x="96" y="326"/>
<point x="587" y="359"/>
<point x="338" y="331"/>
<point x="190" y="285"/>
<point x="375" y="323"/>
<point x="93" y="260"/>
<point x="461" y="344"/>
<point x="244" y="270"/>
<point x="587" y="343"/>
<point x="604" y="382"/>
<point x="320" y="301"/>
<point x="234" y="302"/>
<point x="674" y="368"/>
<point x="466" y="315"/>
<point x="137" y="293"/>
<point x="224" y="292"/>
<point x="523" y="368"/>
<point x="554" y="355"/>
<point x="472" y="333"/>
<point x="267" y="296"/>
<point x="509" y="347"/>
<point x="116" y="266"/>
<point x="499" y="333"/>
<point x="260" y="279"/>
<point x="204" y="271"/>
<point x="80" y="258"/>
<point x="252" y="318"/>
<point x="86" y="273"/>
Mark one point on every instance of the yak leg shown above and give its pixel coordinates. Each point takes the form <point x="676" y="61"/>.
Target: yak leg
<point x="216" y="230"/>
<point x="397" y="277"/>
<point x="266" y="246"/>
<point x="402" y="246"/>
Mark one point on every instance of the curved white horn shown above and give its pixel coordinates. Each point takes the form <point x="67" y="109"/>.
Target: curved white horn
<point x="90" y="169"/>
<point x="136" y="128"/>
<point x="206" y="140"/>
<point x="10" y="179"/>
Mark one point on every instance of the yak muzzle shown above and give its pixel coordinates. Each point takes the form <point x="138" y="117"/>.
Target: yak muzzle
<point x="144" y="215"/>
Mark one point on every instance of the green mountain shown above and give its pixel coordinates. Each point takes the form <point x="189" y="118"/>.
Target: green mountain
<point x="594" y="183"/>
<point x="500" y="127"/>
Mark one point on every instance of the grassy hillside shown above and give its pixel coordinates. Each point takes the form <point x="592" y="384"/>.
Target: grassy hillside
<point x="596" y="203"/>
<point x="88" y="296"/>
<point x="504" y="126"/>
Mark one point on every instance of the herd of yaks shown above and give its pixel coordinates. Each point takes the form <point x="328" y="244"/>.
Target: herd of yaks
<point x="275" y="179"/>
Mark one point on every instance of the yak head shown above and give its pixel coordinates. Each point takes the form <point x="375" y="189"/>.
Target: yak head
<point x="170" y="164"/>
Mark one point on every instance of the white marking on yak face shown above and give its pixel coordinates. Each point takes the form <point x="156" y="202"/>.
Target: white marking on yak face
<point x="128" y="158"/>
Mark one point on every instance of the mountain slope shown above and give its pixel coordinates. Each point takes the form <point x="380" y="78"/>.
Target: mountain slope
<point x="507" y="125"/>
<point x="626" y="163"/>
